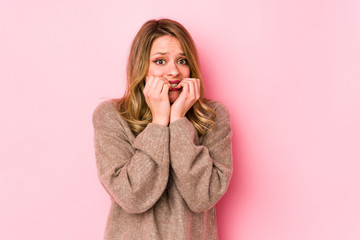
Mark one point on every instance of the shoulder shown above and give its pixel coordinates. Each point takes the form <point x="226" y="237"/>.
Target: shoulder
<point x="106" y="112"/>
<point x="222" y="128"/>
<point x="220" y="109"/>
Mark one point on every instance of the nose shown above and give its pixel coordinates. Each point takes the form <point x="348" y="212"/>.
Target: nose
<point x="172" y="69"/>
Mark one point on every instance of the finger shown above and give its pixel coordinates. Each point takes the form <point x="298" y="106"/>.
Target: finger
<point x="197" y="88"/>
<point x="191" y="88"/>
<point x="191" y="83"/>
<point x="148" y="83"/>
<point x="181" y="84"/>
<point x="152" y="85"/>
<point x="184" y="81"/>
<point x="185" y="88"/>
<point x="165" y="89"/>
<point x="159" y="85"/>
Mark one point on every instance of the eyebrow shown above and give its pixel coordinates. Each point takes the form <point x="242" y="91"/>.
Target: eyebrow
<point x="164" y="53"/>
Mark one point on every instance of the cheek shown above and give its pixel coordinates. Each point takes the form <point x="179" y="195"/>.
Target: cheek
<point x="185" y="72"/>
<point x="154" y="71"/>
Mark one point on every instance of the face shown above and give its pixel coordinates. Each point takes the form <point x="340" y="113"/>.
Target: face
<point x="168" y="60"/>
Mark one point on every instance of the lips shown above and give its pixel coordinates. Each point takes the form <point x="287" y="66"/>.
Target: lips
<point x="174" y="84"/>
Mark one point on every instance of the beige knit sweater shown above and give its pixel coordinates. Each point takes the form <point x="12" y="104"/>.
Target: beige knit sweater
<point x="165" y="182"/>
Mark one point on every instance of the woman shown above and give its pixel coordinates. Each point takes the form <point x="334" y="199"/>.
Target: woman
<point x="163" y="152"/>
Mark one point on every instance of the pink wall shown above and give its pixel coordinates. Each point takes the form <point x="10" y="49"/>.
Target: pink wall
<point x="287" y="70"/>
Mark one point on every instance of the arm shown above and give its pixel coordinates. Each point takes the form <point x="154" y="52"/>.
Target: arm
<point x="134" y="173"/>
<point x="201" y="171"/>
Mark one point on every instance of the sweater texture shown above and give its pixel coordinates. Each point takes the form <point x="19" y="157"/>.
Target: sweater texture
<point x="165" y="182"/>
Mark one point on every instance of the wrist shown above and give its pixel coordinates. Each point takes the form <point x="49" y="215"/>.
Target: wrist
<point x="173" y="118"/>
<point x="163" y="122"/>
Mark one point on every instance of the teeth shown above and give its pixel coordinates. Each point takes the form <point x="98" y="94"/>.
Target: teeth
<point x="174" y="85"/>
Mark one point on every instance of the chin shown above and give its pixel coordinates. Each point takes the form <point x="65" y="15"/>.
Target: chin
<point x="173" y="96"/>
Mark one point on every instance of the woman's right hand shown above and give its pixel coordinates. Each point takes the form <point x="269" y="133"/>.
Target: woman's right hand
<point x="156" y="94"/>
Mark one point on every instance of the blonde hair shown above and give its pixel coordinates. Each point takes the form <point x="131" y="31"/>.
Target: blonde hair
<point x="132" y="106"/>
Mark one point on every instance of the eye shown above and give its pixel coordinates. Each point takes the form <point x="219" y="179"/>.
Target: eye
<point x="159" y="61"/>
<point x="183" y="61"/>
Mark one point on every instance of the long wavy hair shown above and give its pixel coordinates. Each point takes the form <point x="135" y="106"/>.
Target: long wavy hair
<point x="132" y="106"/>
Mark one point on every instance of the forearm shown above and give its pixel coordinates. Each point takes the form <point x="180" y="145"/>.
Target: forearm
<point x="201" y="172"/>
<point x="133" y="171"/>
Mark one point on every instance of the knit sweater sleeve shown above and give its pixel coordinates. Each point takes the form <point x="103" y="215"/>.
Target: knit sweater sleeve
<point x="134" y="172"/>
<point x="201" y="171"/>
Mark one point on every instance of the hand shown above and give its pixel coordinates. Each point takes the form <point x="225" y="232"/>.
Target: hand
<point x="189" y="95"/>
<point x="156" y="94"/>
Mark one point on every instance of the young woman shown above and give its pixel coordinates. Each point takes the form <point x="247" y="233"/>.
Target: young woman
<point x="163" y="152"/>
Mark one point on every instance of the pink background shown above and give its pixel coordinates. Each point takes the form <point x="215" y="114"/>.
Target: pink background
<point x="288" y="71"/>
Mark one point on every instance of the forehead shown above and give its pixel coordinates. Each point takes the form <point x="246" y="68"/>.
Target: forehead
<point x="166" y="44"/>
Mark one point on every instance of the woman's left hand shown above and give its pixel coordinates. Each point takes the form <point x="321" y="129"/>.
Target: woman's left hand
<point x="189" y="95"/>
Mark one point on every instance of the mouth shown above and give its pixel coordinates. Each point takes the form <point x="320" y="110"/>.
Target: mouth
<point x="174" y="84"/>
